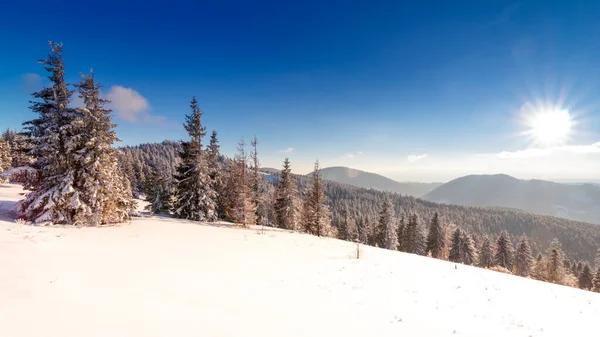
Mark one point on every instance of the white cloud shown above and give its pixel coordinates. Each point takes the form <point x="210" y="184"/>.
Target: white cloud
<point x="130" y="105"/>
<point x="536" y="152"/>
<point x="32" y="82"/>
<point x="350" y="155"/>
<point x="415" y="157"/>
<point x="288" y="150"/>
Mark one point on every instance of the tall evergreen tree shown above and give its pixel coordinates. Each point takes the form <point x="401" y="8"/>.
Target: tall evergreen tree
<point x="347" y="229"/>
<point x="5" y="158"/>
<point x="53" y="197"/>
<point x="240" y="208"/>
<point x="586" y="278"/>
<point x="596" y="281"/>
<point x="158" y="193"/>
<point x="415" y="238"/>
<point x="467" y="249"/>
<point x="215" y="172"/>
<point x="435" y="238"/>
<point x="539" y="270"/>
<point x="386" y="229"/>
<point x="401" y="234"/>
<point x="486" y="254"/>
<point x="504" y="251"/>
<point x="555" y="267"/>
<point x="597" y="259"/>
<point x="285" y="195"/>
<point x="256" y="188"/>
<point x="524" y="257"/>
<point x="316" y="216"/>
<point x="103" y="189"/>
<point x="194" y="193"/>
<point x="455" y="247"/>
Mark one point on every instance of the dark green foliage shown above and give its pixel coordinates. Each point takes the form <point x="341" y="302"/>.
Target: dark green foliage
<point x="504" y="251"/>
<point x="523" y="258"/>
<point x="585" y="278"/>
<point x="386" y="236"/>
<point x="285" y="198"/>
<point x="486" y="254"/>
<point x="414" y="237"/>
<point x="596" y="281"/>
<point x="435" y="238"/>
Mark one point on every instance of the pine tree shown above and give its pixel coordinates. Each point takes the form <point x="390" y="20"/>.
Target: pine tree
<point x="539" y="270"/>
<point x="5" y="158"/>
<point x="467" y="249"/>
<point x="435" y="238"/>
<point x="315" y="215"/>
<point x="401" y="234"/>
<point x="486" y="255"/>
<point x="347" y="229"/>
<point x="240" y="208"/>
<point x="415" y="239"/>
<point x="285" y="195"/>
<point x="596" y="281"/>
<point x="597" y="260"/>
<point x="53" y="197"/>
<point x="386" y="229"/>
<point x="158" y="193"/>
<point x="555" y="267"/>
<point x="195" y="197"/>
<point x="504" y="251"/>
<point x="216" y="175"/>
<point x="524" y="258"/>
<point x="256" y="190"/>
<point x="455" y="247"/>
<point x="98" y="178"/>
<point x="586" y="278"/>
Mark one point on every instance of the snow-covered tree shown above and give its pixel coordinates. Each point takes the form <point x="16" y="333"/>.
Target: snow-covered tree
<point x="215" y="172"/>
<point x="98" y="178"/>
<point x="523" y="258"/>
<point x="414" y="236"/>
<point x="285" y="195"/>
<point x="315" y="212"/>
<point x="596" y="281"/>
<point x="504" y="251"/>
<point x="240" y="208"/>
<point x="597" y="259"/>
<point x="55" y="132"/>
<point x="486" y="254"/>
<point x="585" y="278"/>
<point x="256" y="183"/>
<point x="467" y="249"/>
<point x="5" y="158"/>
<point x="555" y="267"/>
<point x="158" y="193"/>
<point x="539" y="268"/>
<point x="386" y="230"/>
<point x="435" y="238"/>
<point x="347" y="229"/>
<point x="401" y="234"/>
<point x="194" y="193"/>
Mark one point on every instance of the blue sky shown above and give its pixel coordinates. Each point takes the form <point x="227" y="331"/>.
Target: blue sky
<point x="417" y="91"/>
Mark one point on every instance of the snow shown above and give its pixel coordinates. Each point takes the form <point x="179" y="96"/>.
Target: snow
<point x="166" y="277"/>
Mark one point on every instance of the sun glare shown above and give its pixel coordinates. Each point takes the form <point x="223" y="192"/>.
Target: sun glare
<point x="548" y="126"/>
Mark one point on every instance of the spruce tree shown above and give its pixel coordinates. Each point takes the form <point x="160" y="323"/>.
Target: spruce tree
<point x="596" y="281"/>
<point x="585" y="278"/>
<point x="316" y="216"/>
<point x="455" y="247"/>
<point x="194" y="194"/>
<point x="486" y="254"/>
<point x="468" y="254"/>
<point x="100" y="182"/>
<point x="215" y="172"/>
<point x="285" y="195"/>
<point x="347" y="228"/>
<point x="414" y="236"/>
<point x="401" y="234"/>
<point x="5" y="158"/>
<point x="53" y="197"/>
<point x="539" y="270"/>
<point x="504" y="251"/>
<point x="158" y="193"/>
<point x="240" y="208"/>
<point x="555" y="266"/>
<point x="256" y="185"/>
<point x="386" y="229"/>
<point x="435" y="238"/>
<point x="524" y="258"/>
<point x="597" y="259"/>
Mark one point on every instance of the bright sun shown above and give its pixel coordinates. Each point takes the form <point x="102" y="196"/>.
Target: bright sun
<point x="548" y="126"/>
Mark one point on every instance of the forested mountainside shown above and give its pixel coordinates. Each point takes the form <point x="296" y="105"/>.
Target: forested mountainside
<point x="358" y="178"/>
<point x="571" y="201"/>
<point x="579" y="239"/>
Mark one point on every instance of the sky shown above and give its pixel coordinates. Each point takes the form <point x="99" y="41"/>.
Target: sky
<point x="414" y="90"/>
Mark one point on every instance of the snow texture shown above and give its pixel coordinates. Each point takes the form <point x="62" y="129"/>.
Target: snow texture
<point x="167" y="277"/>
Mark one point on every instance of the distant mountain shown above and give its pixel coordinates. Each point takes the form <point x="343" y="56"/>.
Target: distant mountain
<point x="571" y="201"/>
<point x="346" y="175"/>
<point x="270" y="170"/>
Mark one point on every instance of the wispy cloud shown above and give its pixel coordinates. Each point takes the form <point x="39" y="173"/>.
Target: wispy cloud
<point x="350" y="155"/>
<point x="288" y="150"/>
<point x="131" y="106"/>
<point x="32" y="82"/>
<point x="415" y="157"/>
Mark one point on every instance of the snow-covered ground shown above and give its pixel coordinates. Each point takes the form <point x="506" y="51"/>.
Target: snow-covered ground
<point x="165" y="277"/>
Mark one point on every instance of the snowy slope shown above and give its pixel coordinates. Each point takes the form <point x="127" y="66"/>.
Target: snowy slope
<point x="165" y="277"/>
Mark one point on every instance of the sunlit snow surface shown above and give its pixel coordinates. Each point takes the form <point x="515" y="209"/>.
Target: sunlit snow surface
<point x="164" y="277"/>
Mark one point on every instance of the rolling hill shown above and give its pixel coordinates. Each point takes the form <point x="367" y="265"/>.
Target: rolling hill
<point x="571" y="201"/>
<point x="349" y="176"/>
